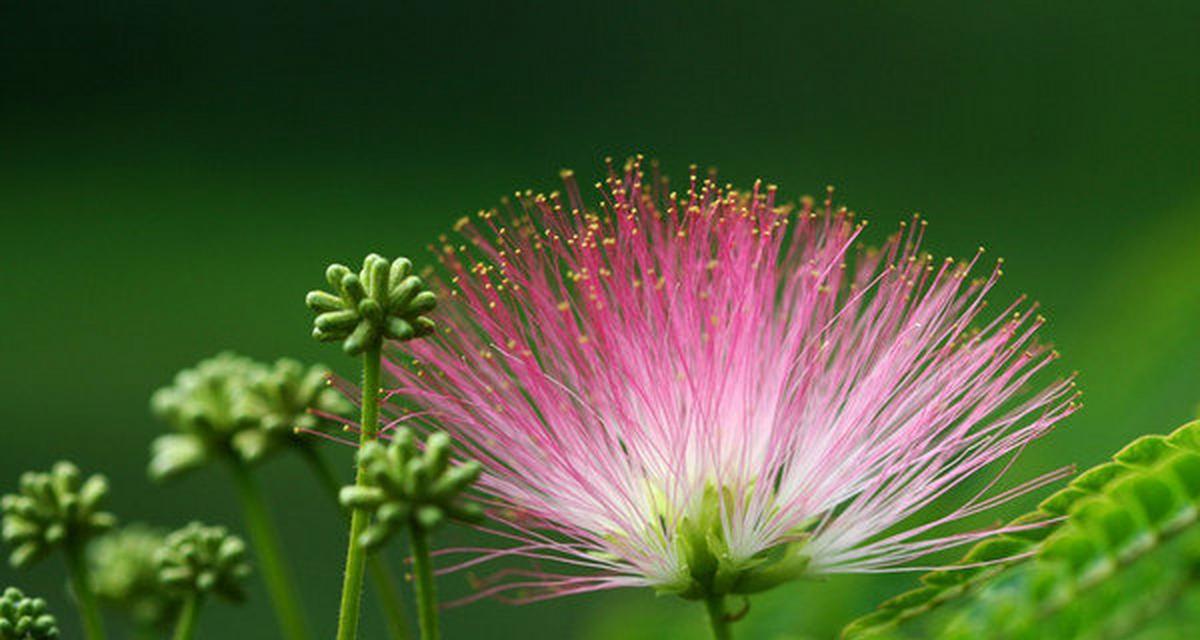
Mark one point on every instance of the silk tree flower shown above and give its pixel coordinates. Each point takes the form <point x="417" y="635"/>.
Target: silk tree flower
<point x="708" y="392"/>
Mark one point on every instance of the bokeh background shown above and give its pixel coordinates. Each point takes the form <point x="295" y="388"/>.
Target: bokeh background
<point x="175" y="176"/>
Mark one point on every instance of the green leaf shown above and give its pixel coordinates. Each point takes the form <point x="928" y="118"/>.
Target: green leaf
<point x="1123" y="552"/>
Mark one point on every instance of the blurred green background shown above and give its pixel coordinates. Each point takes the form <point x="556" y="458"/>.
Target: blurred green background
<point x="175" y="176"/>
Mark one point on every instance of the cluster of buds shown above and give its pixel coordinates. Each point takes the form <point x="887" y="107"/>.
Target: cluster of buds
<point x="23" y="618"/>
<point x="232" y="405"/>
<point x="406" y="486"/>
<point x="51" y="510"/>
<point x="123" y="566"/>
<point x="287" y="398"/>
<point x="201" y="560"/>
<point x="383" y="300"/>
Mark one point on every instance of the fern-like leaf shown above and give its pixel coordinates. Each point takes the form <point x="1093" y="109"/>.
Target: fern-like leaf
<point x="1125" y="551"/>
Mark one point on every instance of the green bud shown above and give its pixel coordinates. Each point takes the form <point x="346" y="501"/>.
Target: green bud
<point x="232" y="405"/>
<point x="52" y="509"/>
<point x="356" y="497"/>
<point x="23" y="618"/>
<point x="383" y="300"/>
<point x="124" y="575"/>
<point x="199" y="559"/>
<point x="406" y="486"/>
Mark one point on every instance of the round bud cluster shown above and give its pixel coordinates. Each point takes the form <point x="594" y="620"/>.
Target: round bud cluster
<point x="383" y="300"/>
<point x="24" y="618"/>
<point x="123" y="566"/>
<point x="287" y="398"/>
<point x="200" y="559"/>
<point x="409" y="487"/>
<point x="230" y="404"/>
<point x="207" y="406"/>
<point x="51" y="510"/>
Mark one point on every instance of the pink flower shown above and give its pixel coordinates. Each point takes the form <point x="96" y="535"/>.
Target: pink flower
<point x="709" y="392"/>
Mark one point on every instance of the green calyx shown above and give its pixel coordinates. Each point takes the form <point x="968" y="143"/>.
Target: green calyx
<point x="383" y="300"/>
<point x="713" y="571"/>
<point x="230" y="404"/>
<point x="52" y="510"/>
<point x="409" y="487"/>
<point x="123" y="567"/>
<point x="202" y="560"/>
<point x="24" y="618"/>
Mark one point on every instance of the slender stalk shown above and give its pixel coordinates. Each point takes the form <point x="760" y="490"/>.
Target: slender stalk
<point x="386" y="590"/>
<point x="427" y="609"/>
<point x="280" y="585"/>
<point x="186" y="627"/>
<point x="721" y="628"/>
<point x="355" y="555"/>
<point x="388" y="594"/>
<point x="81" y="586"/>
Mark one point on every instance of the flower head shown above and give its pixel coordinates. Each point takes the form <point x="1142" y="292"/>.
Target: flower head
<point x="24" y="618"/>
<point x="199" y="559"/>
<point x="289" y="400"/>
<point x="123" y="566"/>
<point x="233" y="405"/>
<point x="51" y="510"/>
<point x="708" y="392"/>
<point x="405" y="486"/>
<point x="383" y="300"/>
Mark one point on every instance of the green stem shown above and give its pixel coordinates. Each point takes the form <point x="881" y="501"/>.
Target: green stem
<point x="355" y="555"/>
<point x="388" y="593"/>
<point x="186" y="627"/>
<point x="427" y="611"/>
<point x="81" y="586"/>
<point x="386" y="590"/>
<point x="280" y="585"/>
<point x="721" y="628"/>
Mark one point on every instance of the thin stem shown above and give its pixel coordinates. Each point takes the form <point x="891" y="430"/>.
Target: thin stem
<point x="81" y="586"/>
<point x="280" y="585"/>
<point x="186" y="627"/>
<point x="386" y="590"/>
<point x="355" y="555"/>
<point x="721" y="628"/>
<point x="427" y="609"/>
<point x="388" y="594"/>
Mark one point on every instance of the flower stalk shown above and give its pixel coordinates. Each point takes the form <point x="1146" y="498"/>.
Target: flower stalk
<point x="384" y="300"/>
<point x="81" y="589"/>
<point x="717" y="618"/>
<point x="424" y="585"/>
<point x="188" y="614"/>
<point x="386" y="589"/>
<point x="265" y="539"/>
<point x="355" y="555"/>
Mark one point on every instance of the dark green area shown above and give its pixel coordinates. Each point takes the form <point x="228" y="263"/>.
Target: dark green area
<point x="175" y="176"/>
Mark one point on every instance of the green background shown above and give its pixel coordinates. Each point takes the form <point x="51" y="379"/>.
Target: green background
<point x="173" y="179"/>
